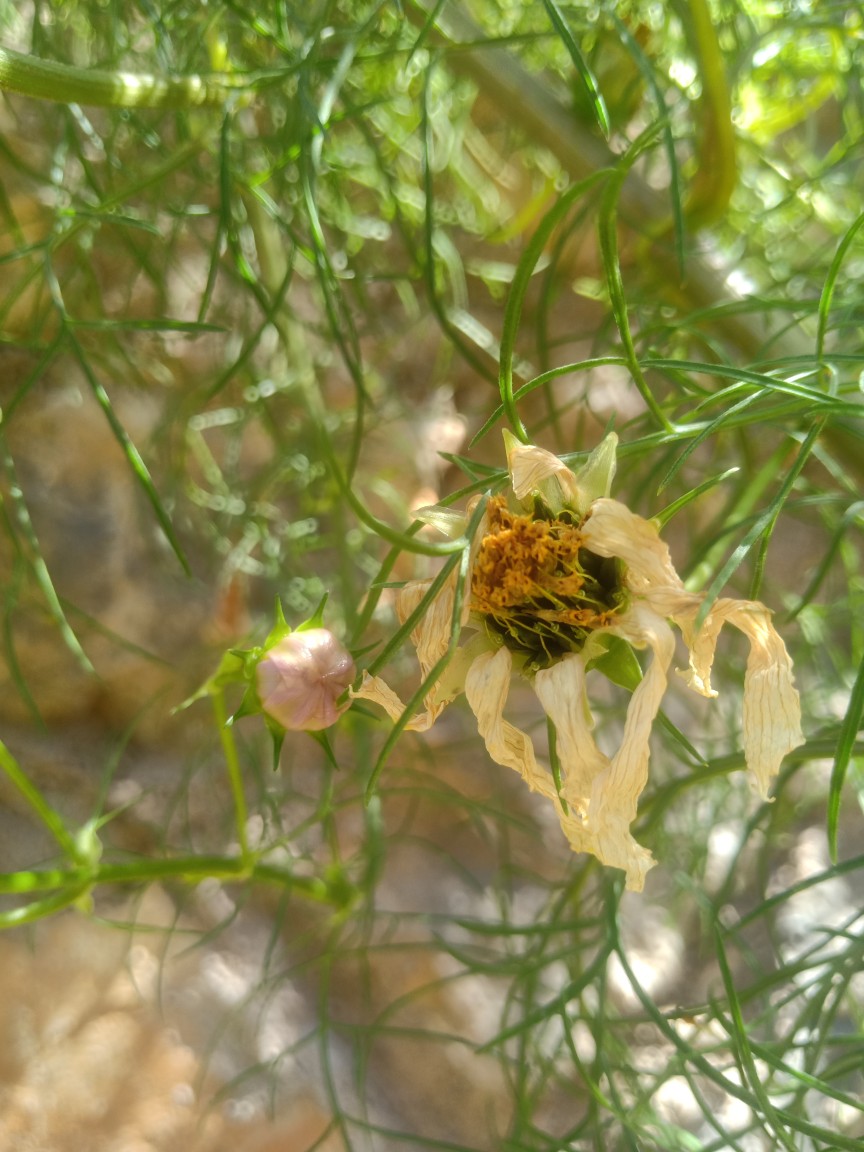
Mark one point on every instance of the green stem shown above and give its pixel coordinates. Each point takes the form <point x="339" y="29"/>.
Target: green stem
<point x="37" y="802"/>
<point x="229" y="747"/>
<point x="183" y="869"/>
<point x="47" y="80"/>
<point x="39" y="909"/>
<point x="36" y="560"/>
<point x="68" y="886"/>
<point x="717" y="174"/>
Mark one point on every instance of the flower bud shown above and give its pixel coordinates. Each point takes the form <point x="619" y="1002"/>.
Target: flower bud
<point x="301" y="677"/>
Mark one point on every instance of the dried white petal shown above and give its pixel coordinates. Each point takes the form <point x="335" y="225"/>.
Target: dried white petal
<point x="613" y="530"/>
<point x="486" y="688"/>
<point x="431" y="640"/>
<point x="561" y="691"/>
<point x="615" y="793"/>
<point x="534" y="470"/>
<point x="772" y="707"/>
<point x="431" y="636"/>
<point x="445" y="520"/>
<point x="602" y="794"/>
<point x="375" y="689"/>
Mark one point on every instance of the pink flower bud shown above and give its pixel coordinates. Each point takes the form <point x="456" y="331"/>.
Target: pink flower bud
<point x="301" y="678"/>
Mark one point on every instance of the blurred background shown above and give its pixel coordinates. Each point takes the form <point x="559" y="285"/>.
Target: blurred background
<point x="223" y="303"/>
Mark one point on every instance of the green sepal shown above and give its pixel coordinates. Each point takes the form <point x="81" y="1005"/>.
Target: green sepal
<point x="250" y="705"/>
<point x="595" y="477"/>
<point x="324" y="741"/>
<point x="316" y="620"/>
<point x="618" y="663"/>
<point x="277" y="735"/>
<point x="280" y="629"/>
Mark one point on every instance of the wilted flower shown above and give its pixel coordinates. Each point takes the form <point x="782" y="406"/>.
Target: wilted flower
<point x="560" y="575"/>
<point x="301" y="678"/>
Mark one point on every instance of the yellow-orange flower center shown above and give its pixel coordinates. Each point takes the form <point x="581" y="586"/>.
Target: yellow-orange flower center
<point x="537" y="586"/>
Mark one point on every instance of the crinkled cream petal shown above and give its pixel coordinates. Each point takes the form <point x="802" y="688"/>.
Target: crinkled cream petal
<point x="612" y="529"/>
<point x="561" y="691"/>
<point x="772" y="707"/>
<point x="615" y="792"/>
<point x="487" y="685"/>
<point x="431" y="637"/>
<point x="375" y="689"/>
<point x="447" y="521"/>
<point x="701" y="645"/>
<point x="534" y="469"/>
<point x="431" y="640"/>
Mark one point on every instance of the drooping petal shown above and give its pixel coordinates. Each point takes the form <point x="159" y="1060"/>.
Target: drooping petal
<point x="602" y="794"/>
<point x="596" y="822"/>
<point x="701" y="645"/>
<point x="615" y="791"/>
<point x="379" y="692"/>
<point x="431" y="636"/>
<point x="431" y="640"/>
<point x="772" y="707"/>
<point x="561" y="691"/>
<point x="487" y="685"/>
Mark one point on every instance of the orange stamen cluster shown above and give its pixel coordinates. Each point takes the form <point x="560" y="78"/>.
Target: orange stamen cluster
<point x="532" y="583"/>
